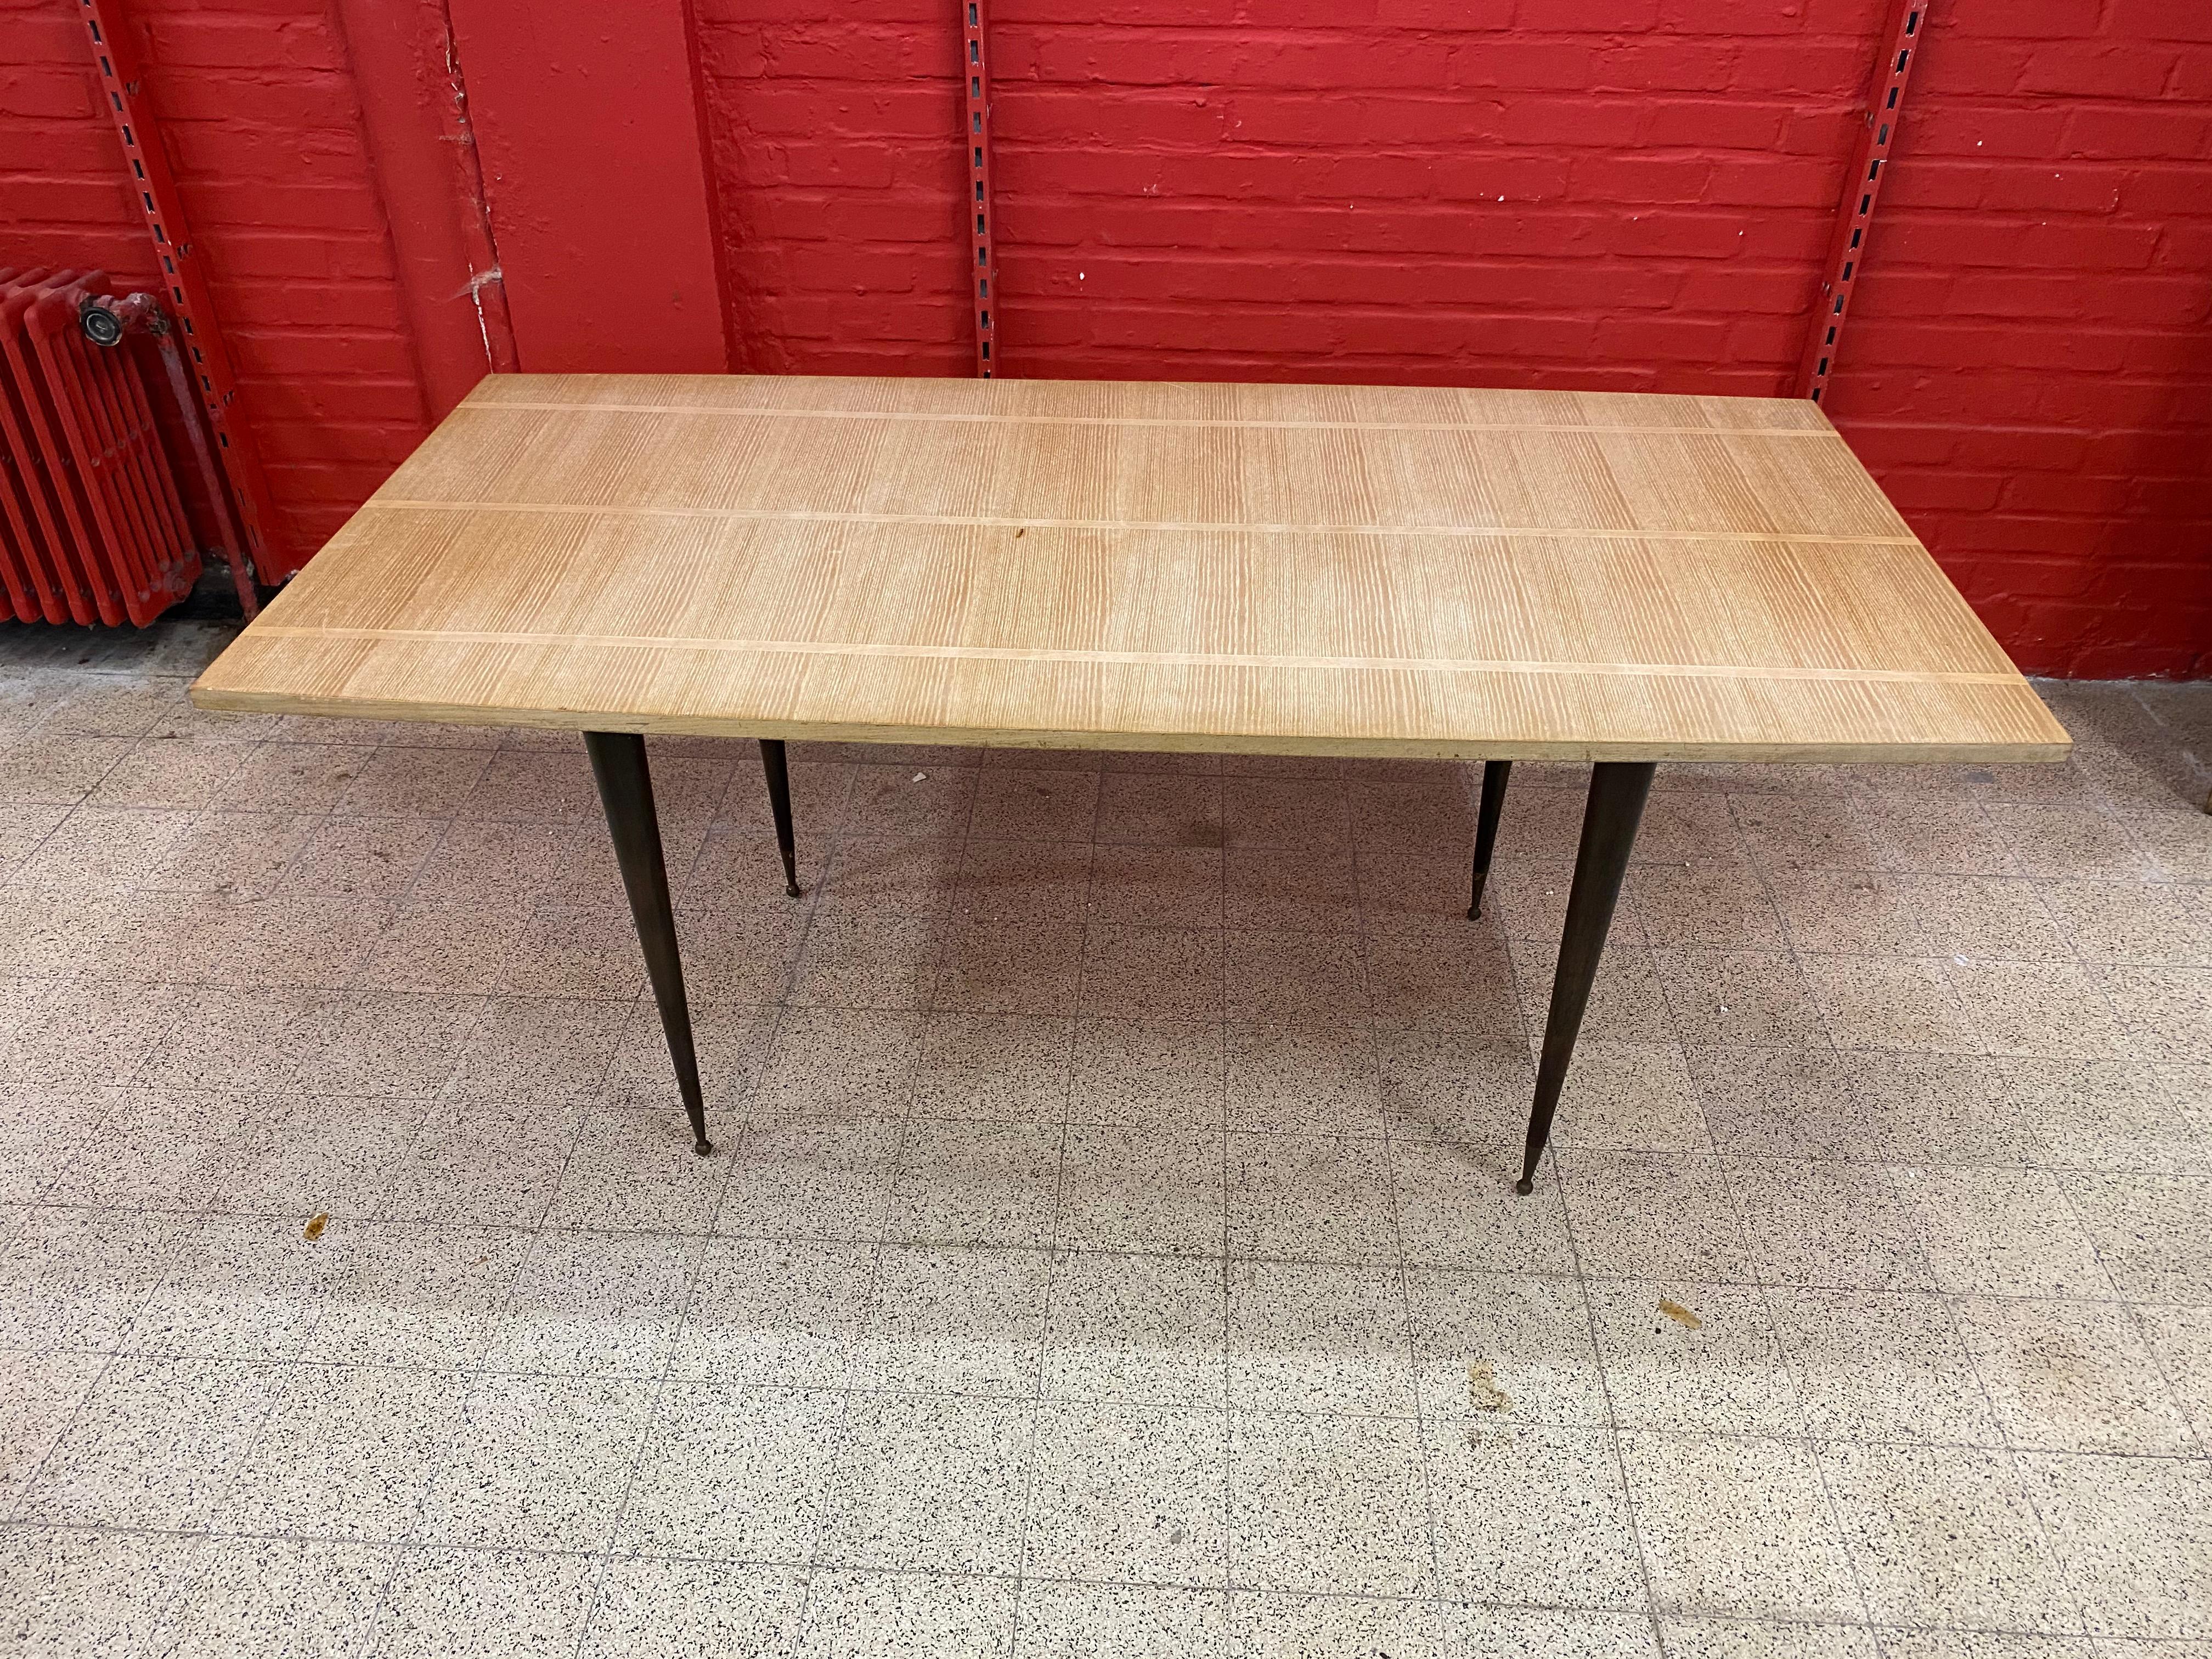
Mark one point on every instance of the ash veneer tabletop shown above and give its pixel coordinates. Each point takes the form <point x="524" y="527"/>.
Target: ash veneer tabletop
<point x="1317" y="570"/>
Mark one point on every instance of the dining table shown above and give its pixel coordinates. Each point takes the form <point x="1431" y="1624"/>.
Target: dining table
<point x="1624" y="579"/>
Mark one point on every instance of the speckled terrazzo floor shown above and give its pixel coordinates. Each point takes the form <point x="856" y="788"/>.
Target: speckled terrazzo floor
<point x="1110" y="1250"/>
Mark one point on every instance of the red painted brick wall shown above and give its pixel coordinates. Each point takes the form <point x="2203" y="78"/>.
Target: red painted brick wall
<point x="1611" y="193"/>
<point x="257" y="107"/>
<point x="1607" y="193"/>
<point x="2028" y="368"/>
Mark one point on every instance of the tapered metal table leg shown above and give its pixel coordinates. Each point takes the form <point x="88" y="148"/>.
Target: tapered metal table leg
<point x="626" y="793"/>
<point x="779" y="803"/>
<point x="1616" y="793"/>
<point x="1494" y="776"/>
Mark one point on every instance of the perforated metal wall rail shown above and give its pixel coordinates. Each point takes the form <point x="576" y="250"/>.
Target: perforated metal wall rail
<point x="977" y="65"/>
<point x="121" y="88"/>
<point x="1862" y="190"/>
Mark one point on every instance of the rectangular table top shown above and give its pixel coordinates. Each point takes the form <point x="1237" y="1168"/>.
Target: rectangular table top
<point x="1353" y="570"/>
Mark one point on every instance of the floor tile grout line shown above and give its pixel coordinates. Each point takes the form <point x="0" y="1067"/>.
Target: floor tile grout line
<point x="532" y="1235"/>
<point x="2129" y="1309"/>
<point x="1789" y="946"/>
<point x="2010" y="1457"/>
<point x="1232" y="1412"/>
<point x="30" y="1482"/>
<point x="2093" y="978"/>
<point x="634" y="1381"/>
<point x="2199" y="766"/>
<point x="1162" y="1410"/>
<point x="486" y="1372"/>
<point x="171" y="1235"/>
<point x="1808" y="1446"/>
<point x="1560" y="1176"/>
<point x="416" y="1221"/>
<point x="2070" y="1200"/>
<point x="1805" y="985"/>
<point x="1409" y="1347"/>
<point x="653" y="1419"/>
<point x="437" y="1463"/>
<point x="1032" y="1402"/>
<point x="792" y="1564"/>
<point x="303" y="987"/>
<point x="2009" y="1454"/>
<point x="2199" y="760"/>
<point x="832" y="861"/>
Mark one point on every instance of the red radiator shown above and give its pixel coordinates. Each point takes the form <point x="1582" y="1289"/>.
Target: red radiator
<point x="92" y="525"/>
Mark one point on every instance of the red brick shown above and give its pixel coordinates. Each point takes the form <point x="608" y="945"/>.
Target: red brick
<point x="1918" y="491"/>
<point x="2060" y="493"/>
<point x="1816" y="66"/>
<point x="208" y="40"/>
<point x="1932" y="125"/>
<point x="1581" y="122"/>
<point x="1992" y="69"/>
<point x="2159" y="20"/>
<point x="2160" y="192"/>
<point x="1737" y="288"/>
<point x="2085" y="70"/>
<point x="1776" y="341"/>
<point x="2077" y="188"/>
<point x="2054" y="19"/>
<point x="1733" y="17"/>
<point x="2035" y="295"/>
<point x="1668" y="63"/>
<point x="1532" y="65"/>
<point x="1711" y="124"/>
<point x="1880" y="446"/>
<point x="1771" y="182"/>
<point x="2184" y="246"/>
<point x="2139" y="131"/>
<point x="1641" y="179"/>
<point x="2191" y="75"/>
<point x="1932" y="183"/>
<point x="1831" y="133"/>
<point x="2090" y="246"/>
<point x="1456" y="14"/>
<point x="2145" y="451"/>
<point x="1643" y="340"/>
<point x="1515" y="178"/>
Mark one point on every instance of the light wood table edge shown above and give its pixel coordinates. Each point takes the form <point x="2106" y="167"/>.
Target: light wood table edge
<point x="227" y="701"/>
